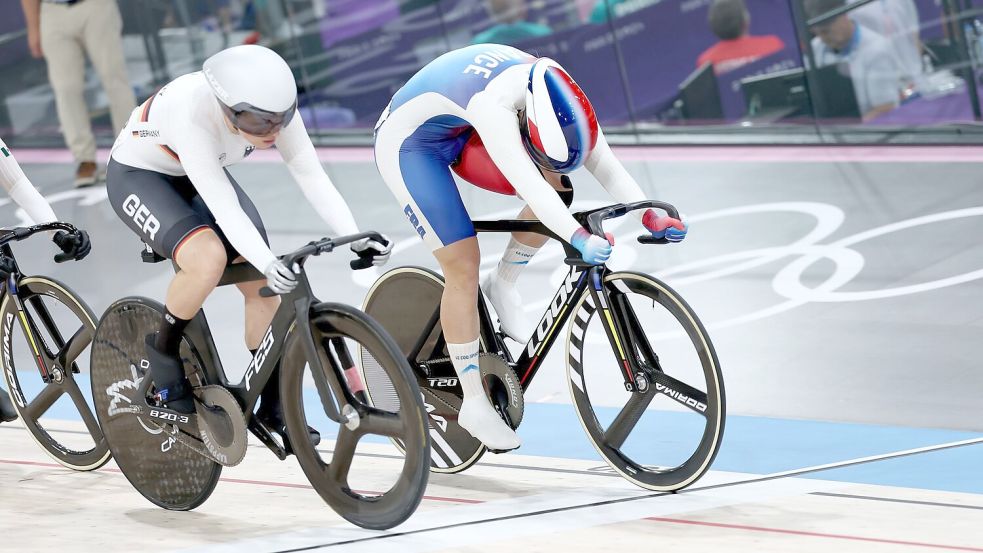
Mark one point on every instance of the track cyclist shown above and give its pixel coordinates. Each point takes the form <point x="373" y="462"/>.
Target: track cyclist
<point x="167" y="180"/>
<point x="512" y="123"/>
<point x="73" y="246"/>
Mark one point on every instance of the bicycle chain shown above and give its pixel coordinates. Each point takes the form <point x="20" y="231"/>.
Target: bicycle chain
<point x="187" y="440"/>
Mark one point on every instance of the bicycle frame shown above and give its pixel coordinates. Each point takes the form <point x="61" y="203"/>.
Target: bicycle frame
<point x="620" y="322"/>
<point x="297" y="312"/>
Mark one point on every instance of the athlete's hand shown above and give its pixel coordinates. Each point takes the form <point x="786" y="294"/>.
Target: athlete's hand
<point x="593" y="249"/>
<point x="279" y="278"/>
<point x="673" y="230"/>
<point x="74" y="245"/>
<point x="378" y="251"/>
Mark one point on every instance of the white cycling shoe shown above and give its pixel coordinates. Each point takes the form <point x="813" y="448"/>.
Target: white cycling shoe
<point x="479" y="418"/>
<point x="507" y="303"/>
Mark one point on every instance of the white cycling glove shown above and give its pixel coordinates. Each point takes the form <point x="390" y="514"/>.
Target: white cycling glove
<point x="381" y="250"/>
<point x="279" y="278"/>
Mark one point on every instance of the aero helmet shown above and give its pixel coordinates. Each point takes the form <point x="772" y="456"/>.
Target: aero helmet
<point x="254" y="86"/>
<point x="559" y="127"/>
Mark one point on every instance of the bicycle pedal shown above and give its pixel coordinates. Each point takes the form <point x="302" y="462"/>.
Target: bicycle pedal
<point x="265" y="435"/>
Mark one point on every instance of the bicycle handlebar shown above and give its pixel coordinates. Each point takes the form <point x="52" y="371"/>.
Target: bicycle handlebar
<point x="20" y="233"/>
<point x="326" y="245"/>
<point x="596" y="218"/>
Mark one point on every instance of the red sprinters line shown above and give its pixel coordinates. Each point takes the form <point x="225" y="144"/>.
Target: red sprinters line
<point x="814" y="534"/>
<point x="253" y="482"/>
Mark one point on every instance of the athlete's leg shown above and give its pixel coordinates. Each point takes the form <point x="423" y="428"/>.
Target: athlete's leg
<point x="201" y="260"/>
<point x="417" y="173"/>
<point x="499" y="285"/>
<point x="157" y="208"/>
<point x="459" y="302"/>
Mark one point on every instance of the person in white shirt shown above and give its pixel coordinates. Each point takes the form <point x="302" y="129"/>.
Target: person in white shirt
<point x="16" y="183"/>
<point x="168" y="182"/>
<point x="897" y="21"/>
<point x="876" y="74"/>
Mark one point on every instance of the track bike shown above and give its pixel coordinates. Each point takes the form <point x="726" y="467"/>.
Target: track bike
<point x="659" y="378"/>
<point x="53" y="329"/>
<point x="175" y="460"/>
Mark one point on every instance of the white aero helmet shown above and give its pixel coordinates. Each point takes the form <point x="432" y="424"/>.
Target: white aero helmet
<point x="254" y="86"/>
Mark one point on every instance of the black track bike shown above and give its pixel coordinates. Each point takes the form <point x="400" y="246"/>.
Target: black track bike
<point x="45" y="330"/>
<point x="175" y="460"/>
<point x="641" y="369"/>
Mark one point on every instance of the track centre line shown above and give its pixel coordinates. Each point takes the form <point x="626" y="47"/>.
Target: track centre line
<point x="896" y="500"/>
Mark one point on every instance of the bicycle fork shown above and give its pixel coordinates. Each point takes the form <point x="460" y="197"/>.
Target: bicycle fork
<point x="33" y="336"/>
<point x="620" y="325"/>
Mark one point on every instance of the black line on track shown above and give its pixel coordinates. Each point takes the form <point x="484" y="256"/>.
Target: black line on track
<point x="767" y="478"/>
<point x="893" y="500"/>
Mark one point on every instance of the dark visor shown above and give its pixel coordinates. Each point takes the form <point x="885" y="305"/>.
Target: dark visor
<point x="258" y="122"/>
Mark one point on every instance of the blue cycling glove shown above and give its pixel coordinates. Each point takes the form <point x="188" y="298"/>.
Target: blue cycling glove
<point x="593" y="249"/>
<point x="673" y="230"/>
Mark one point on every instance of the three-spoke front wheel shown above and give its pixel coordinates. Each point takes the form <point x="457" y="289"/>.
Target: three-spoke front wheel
<point x="369" y="489"/>
<point x="663" y="431"/>
<point x="51" y="336"/>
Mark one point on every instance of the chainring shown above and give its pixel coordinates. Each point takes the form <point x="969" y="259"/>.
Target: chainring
<point x="502" y="387"/>
<point x="222" y="425"/>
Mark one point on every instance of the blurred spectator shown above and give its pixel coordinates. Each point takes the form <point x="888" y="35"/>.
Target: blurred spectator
<point x="512" y="26"/>
<point x="897" y="21"/>
<point x="618" y="8"/>
<point x="731" y="22"/>
<point x="64" y="32"/>
<point x="876" y="75"/>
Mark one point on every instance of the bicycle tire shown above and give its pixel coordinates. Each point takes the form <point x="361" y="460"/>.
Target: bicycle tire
<point x="401" y="300"/>
<point x="31" y="291"/>
<point x="331" y="480"/>
<point x="166" y="472"/>
<point x="661" y="478"/>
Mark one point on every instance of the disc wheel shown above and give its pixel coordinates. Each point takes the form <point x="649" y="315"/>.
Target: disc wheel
<point x="366" y="490"/>
<point x="165" y="471"/>
<point x="62" y="327"/>
<point x="664" y="433"/>
<point x="403" y="301"/>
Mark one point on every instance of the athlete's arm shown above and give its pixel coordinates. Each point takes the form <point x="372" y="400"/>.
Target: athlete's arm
<point x="298" y="152"/>
<point x="498" y="127"/>
<point x="16" y="183"/>
<point x="619" y="183"/>
<point x="199" y="157"/>
<point x="612" y="174"/>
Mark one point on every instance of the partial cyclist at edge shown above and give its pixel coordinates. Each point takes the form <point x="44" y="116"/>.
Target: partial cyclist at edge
<point x="167" y="180"/>
<point x="514" y="124"/>
<point x="25" y="195"/>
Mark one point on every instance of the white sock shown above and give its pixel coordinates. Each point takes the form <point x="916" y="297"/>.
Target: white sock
<point x="514" y="260"/>
<point x="477" y="416"/>
<point x="465" y="360"/>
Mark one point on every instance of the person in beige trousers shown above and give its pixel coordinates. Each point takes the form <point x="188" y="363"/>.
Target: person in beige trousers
<point x="64" y="32"/>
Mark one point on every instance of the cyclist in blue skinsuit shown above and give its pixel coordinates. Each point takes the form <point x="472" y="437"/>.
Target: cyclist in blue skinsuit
<point x="512" y="123"/>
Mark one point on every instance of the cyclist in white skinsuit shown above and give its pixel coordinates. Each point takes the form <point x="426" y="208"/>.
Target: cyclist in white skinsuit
<point x="512" y="123"/>
<point x="167" y="181"/>
<point x="16" y="183"/>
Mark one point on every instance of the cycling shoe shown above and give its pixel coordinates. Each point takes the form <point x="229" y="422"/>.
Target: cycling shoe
<point x="167" y="373"/>
<point x="7" y="411"/>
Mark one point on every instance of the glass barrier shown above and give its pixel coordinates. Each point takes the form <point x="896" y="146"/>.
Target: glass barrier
<point x="656" y="70"/>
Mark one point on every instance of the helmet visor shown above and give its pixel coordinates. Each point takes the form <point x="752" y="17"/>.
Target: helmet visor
<point x="258" y="122"/>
